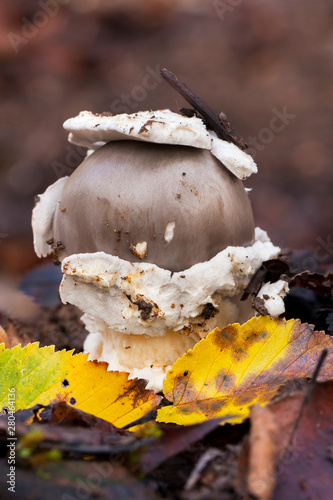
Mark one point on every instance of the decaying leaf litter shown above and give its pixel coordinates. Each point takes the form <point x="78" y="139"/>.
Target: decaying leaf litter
<point x="233" y="397"/>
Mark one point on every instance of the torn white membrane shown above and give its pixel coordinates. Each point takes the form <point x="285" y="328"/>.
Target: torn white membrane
<point x="142" y="298"/>
<point x="43" y="214"/>
<point x="142" y="318"/>
<point x="163" y="127"/>
<point x="233" y="158"/>
<point x="272" y="294"/>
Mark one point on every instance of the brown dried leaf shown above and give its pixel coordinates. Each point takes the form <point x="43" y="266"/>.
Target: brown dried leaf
<point x="305" y="468"/>
<point x="319" y="283"/>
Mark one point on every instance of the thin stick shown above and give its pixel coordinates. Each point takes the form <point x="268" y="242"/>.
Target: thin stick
<point x="219" y="124"/>
<point x="309" y="391"/>
<point x="320" y="363"/>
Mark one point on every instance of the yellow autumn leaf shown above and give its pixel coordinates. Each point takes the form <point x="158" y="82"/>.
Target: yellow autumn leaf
<point x="242" y="365"/>
<point x="40" y="376"/>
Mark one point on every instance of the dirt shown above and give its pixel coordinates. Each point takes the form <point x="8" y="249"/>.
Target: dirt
<point x="145" y="309"/>
<point x="59" y="325"/>
<point x="209" y="311"/>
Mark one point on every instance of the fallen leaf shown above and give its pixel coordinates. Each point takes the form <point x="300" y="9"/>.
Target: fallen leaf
<point x="72" y="480"/>
<point x="41" y="376"/>
<point x="67" y="416"/>
<point x="173" y="441"/>
<point x="316" y="282"/>
<point x="303" y="464"/>
<point x="305" y="469"/>
<point x="262" y="453"/>
<point x="233" y="369"/>
<point x="69" y="439"/>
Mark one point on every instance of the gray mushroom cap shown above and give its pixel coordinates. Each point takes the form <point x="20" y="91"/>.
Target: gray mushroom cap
<point x="173" y="206"/>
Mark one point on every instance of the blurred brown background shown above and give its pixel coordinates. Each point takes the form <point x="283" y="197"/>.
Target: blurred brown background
<point x="266" y="64"/>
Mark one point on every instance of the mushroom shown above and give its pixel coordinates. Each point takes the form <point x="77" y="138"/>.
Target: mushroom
<point x="156" y="236"/>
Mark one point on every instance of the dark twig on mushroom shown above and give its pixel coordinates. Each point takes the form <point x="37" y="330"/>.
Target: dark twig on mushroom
<point x="219" y="124"/>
